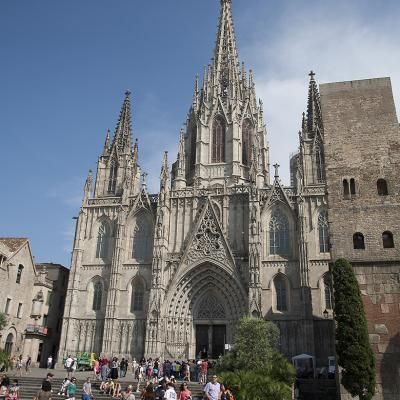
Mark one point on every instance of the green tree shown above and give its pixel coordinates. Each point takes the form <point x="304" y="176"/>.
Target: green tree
<point x="354" y="351"/>
<point x="254" y="369"/>
<point x="3" y="321"/>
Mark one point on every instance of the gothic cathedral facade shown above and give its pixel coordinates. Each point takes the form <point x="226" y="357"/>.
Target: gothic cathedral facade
<point x="170" y="274"/>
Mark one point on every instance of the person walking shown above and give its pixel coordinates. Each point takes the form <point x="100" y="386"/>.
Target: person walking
<point x="28" y="365"/>
<point x="212" y="389"/>
<point x="170" y="393"/>
<point x="71" y="389"/>
<point x="50" y="362"/>
<point x="87" y="390"/>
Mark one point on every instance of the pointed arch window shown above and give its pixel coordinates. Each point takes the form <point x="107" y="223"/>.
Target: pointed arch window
<point x="281" y="293"/>
<point x="112" y="180"/>
<point x="247" y="134"/>
<point x="141" y="239"/>
<point x="193" y="139"/>
<point x="137" y="300"/>
<point x="279" y="234"/>
<point x="346" y="189"/>
<point x="97" y="296"/>
<point x="102" y="241"/>
<point x="352" y="186"/>
<point x="19" y="273"/>
<point x="381" y="185"/>
<point x="218" y="141"/>
<point x="387" y="240"/>
<point x="328" y="293"/>
<point x="9" y="343"/>
<point x="358" y="241"/>
<point x="323" y="232"/>
<point x="320" y="164"/>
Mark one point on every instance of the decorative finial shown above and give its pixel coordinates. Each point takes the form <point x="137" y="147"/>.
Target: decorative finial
<point x="144" y="176"/>
<point x="127" y="93"/>
<point x="311" y="74"/>
<point x="276" y="166"/>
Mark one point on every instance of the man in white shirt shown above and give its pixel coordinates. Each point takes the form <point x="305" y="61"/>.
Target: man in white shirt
<point x="212" y="389"/>
<point x="170" y="393"/>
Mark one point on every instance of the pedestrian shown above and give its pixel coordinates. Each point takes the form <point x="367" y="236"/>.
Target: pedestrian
<point x="28" y="365"/>
<point x="46" y="383"/>
<point x="225" y="394"/>
<point x="128" y="395"/>
<point x="71" y="389"/>
<point x="87" y="390"/>
<point x="19" y="366"/>
<point x="212" y="389"/>
<point x="170" y="393"/>
<point x="114" y="368"/>
<point x="134" y="368"/>
<point x="148" y="392"/>
<point x="50" y="362"/>
<point x="64" y="386"/>
<point x="123" y="366"/>
<point x="13" y="391"/>
<point x="68" y="365"/>
<point x="184" y="392"/>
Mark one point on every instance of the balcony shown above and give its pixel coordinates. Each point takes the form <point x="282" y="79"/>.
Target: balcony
<point x="36" y="330"/>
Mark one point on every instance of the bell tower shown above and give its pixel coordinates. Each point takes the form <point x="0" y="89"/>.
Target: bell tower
<point x="225" y="132"/>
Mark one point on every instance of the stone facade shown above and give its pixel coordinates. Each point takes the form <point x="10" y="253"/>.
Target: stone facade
<point x="362" y="143"/>
<point x="170" y="274"/>
<point x="33" y="297"/>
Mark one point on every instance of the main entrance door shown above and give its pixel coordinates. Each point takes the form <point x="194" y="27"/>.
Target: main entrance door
<point x="210" y="340"/>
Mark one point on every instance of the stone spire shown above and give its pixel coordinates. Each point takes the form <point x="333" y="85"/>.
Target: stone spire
<point x="122" y="141"/>
<point x="179" y="167"/>
<point x="106" y="149"/>
<point x="314" y="119"/>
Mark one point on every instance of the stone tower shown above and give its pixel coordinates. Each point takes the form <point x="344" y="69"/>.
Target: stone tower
<point x="170" y="274"/>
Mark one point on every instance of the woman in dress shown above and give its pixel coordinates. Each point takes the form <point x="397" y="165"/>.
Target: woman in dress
<point x="184" y="392"/>
<point x="114" y="368"/>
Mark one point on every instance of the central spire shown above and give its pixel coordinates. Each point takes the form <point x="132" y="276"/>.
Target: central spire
<point x="123" y="132"/>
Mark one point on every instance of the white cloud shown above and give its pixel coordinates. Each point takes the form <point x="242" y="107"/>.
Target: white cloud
<point x="339" y="43"/>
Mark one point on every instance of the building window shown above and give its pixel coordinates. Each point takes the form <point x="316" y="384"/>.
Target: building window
<point x="320" y="167"/>
<point x="102" y="241"/>
<point x="346" y="189"/>
<point x="279" y="234"/>
<point x="9" y="343"/>
<point x="97" y="295"/>
<point x="8" y="305"/>
<point x="323" y="232"/>
<point x="358" y="241"/>
<point x="19" y="312"/>
<point x="19" y="273"/>
<point x="352" y="186"/>
<point x="112" y="180"/>
<point x="381" y="185"/>
<point x="44" y="322"/>
<point x="247" y="134"/>
<point x="218" y="141"/>
<point x="387" y="240"/>
<point x="142" y="239"/>
<point x="281" y="293"/>
<point x="48" y="298"/>
<point x="328" y="292"/>
<point x="137" y="301"/>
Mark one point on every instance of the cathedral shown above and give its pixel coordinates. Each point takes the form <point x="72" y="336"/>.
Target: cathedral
<point x="170" y="274"/>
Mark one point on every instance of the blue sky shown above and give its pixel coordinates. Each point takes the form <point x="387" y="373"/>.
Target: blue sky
<point x="65" y="66"/>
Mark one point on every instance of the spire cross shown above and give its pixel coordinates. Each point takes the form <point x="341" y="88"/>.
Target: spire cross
<point x="127" y="93"/>
<point x="276" y="166"/>
<point x="311" y="74"/>
<point x="144" y="175"/>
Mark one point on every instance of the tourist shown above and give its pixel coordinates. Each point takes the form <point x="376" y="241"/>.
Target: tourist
<point x="28" y="365"/>
<point x="68" y="365"/>
<point x="134" y="369"/>
<point x="148" y="392"/>
<point x="74" y="365"/>
<point x="71" y="389"/>
<point x="212" y="389"/>
<point x="13" y="391"/>
<point x="186" y="371"/>
<point x="170" y="393"/>
<point x="19" y="366"/>
<point x="123" y="366"/>
<point x="87" y="390"/>
<point x="184" y="392"/>
<point x="96" y="369"/>
<point x="204" y="371"/>
<point x="64" y="386"/>
<point x="49" y="362"/>
<point x="42" y="395"/>
<point x="161" y="389"/>
<point x="4" y="384"/>
<point x="114" y="368"/>
<point x="128" y="395"/>
<point x="46" y="383"/>
<point x="225" y="393"/>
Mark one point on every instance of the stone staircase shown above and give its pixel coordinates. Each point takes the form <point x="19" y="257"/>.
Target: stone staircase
<point x="29" y="386"/>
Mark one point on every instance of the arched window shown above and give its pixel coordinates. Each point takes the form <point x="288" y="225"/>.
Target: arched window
<point x="218" y="141"/>
<point x="280" y="293"/>
<point x="323" y="232"/>
<point x="19" y="273"/>
<point x="97" y="296"/>
<point x="247" y="134"/>
<point x="328" y="292"/>
<point x="381" y="185"/>
<point x="319" y="163"/>
<point x="193" y="139"/>
<point x="352" y="186"/>
<point x="9" y="343"/>
<point x="142" y="239"/>
<point x="346" y="189"/>
<point x="102" y="241"/>
<point x="358" y="241"/>
<point x="137" y="300"/>
<point x="112" y="180"/>
<point x="279" y="234"/>
<point x="387" y="240"/>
